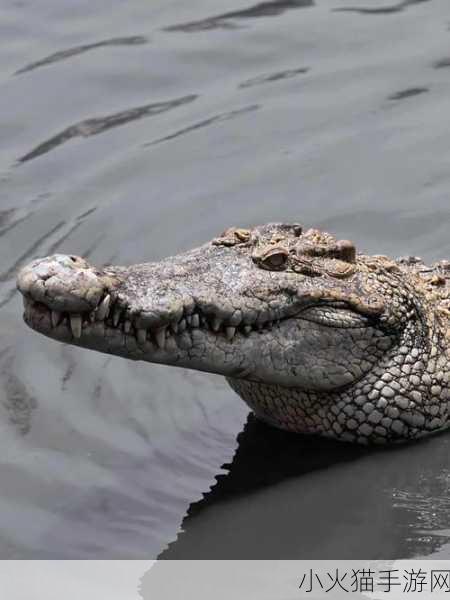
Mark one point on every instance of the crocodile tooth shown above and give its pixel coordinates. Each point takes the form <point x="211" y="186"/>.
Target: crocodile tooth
<point x="195" y="321"/>
<point x="236" y="318"/>
<point x="56" y="318"/>
<point x="160" y="337"/>
<point x="189" y="320"/>
<point x="189" y="309"/>
<point x="103" y="308"/>
<point x="247" y="329"/>
<point x="116" y="316"/>
<point x="182" y="325"/>
<point x="229" y="332"/>
<point x="216" y="323"/>
<point x="174" y="327"/>
<point x="75" y="325"/>
<point x="141" y="335"/>
<point x="127" y="326"/>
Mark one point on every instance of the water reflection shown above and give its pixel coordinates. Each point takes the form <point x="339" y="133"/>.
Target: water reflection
<point x="222" y="21"/>
<point x="291" y="496"/>
<point x="89" y="127"/>
<point x="77" y="50"/>
<point x="385" y="10"/>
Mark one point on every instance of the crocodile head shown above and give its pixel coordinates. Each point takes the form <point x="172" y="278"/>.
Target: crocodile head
<point x="271" y="304"/>
<point x="314" y="336"/>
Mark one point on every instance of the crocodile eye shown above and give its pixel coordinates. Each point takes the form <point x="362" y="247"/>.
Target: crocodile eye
<point x="275" y="259"/>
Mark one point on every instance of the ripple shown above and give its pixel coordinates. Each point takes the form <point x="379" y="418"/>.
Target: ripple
<point x="430" y="512"/>
<point x="386" y="10"/>
<point x="408" y="93"/>
<point x="12" y="217"/>
<point x="17" y="401"/>
<point x="10" y="273"/>
<point x="6" y="275"/>
<point x="443" y="63"/>
<point x="263" y="9"/>
<point x="89" y="127"/>
<point x="215" y="119"/>
<point x="279" y="75"/>
<point x="5" y="217"/>
<point x="77" y="50"/>
<point x="79" y="220"/>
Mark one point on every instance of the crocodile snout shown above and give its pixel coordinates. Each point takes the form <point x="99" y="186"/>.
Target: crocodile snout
<point x="62" y="283"/>
<point x="62" y="286"/>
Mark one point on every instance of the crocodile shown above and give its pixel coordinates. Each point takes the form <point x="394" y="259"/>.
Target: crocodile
<point x="316" y="337"/>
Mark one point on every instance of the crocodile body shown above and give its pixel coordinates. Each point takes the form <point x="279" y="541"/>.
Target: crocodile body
<point x="314" y="336"/>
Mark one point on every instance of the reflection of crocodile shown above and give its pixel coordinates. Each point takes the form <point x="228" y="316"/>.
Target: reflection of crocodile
<point x="313" y="336"/>
<point x="260" y="503"/>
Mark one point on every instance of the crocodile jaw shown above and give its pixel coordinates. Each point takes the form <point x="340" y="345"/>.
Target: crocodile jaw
<point x="256" y="353"/>
<point x="205" y="310"/>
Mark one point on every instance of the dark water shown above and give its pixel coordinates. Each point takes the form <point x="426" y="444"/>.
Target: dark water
<point x="134" y="130"/>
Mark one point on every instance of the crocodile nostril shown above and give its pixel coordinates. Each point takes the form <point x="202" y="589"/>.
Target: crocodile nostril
<point x="73" y="258"/>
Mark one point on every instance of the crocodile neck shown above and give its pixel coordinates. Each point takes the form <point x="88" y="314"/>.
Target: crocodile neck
<point x="401" y="398"/>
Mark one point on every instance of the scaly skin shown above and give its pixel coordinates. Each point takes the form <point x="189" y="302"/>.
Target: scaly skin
<point x="313" y="336"/>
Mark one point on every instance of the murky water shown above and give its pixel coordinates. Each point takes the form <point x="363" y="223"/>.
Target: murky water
<point x="130" y="131"/>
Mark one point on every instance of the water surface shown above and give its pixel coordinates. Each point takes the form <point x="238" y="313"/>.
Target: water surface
<point x="131" y="131"/>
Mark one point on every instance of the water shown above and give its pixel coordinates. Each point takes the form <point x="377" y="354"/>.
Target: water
<point x="131" y="131"/>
